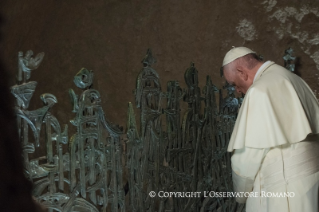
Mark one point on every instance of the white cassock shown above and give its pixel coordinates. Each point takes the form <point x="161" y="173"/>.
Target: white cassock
<point x="275" y="143"/>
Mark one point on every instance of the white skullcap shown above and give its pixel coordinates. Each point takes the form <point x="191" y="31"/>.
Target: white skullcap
<point x="234" y="53"/>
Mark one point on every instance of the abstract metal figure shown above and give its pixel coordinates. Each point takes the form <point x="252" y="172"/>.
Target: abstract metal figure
<point x="134" y="156"/>
<point x="190" y="156"/>
<point x="45" y="174"/>
<point x="289" y="59"/>
<point x="26" y="64"/>
<point x="95" y="157"/>
<point x="148" y="99"/>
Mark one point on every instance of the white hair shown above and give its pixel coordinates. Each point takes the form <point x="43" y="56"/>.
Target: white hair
<point x="249" y="61"/>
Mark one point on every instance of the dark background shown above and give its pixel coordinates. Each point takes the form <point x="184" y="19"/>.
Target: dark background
<point x="111" y="37"/>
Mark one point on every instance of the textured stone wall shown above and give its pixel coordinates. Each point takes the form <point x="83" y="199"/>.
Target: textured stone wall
<point x="111" y="37"/>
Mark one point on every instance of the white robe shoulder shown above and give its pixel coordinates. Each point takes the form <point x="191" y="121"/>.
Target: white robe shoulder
<point x="279" y="108"/>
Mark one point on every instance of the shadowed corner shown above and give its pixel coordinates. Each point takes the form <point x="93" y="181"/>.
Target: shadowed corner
<point x="2" y="23"/>
<point x="15" y="189"/>
<point x="298" y="66"/>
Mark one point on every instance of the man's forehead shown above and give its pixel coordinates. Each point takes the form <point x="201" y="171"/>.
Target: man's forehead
<point x="228" y="75"/>
<point x="226" y="72"/>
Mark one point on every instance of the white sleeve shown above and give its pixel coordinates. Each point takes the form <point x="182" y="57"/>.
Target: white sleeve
<point x="245" y="165"/>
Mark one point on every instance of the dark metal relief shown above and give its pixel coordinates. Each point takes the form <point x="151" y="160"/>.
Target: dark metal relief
<point x="185" y="154"/>
<point x="173" y="158"/>
<point x="289" y="59"/>
<point x="86" y="177"/>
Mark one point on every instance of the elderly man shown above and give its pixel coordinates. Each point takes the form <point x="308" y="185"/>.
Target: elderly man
<point x="274" y="142"/>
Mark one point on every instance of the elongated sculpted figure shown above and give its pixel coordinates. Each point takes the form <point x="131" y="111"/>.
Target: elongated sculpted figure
<point x="275" y="139"/>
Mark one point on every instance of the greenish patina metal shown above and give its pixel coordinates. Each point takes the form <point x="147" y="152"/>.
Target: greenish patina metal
<point x="190" y="156"/>
<point x="46" y="172"/>
<point x="96" y="158"/>
<point x="170" y="151"/>
<point x="289" y="59"/>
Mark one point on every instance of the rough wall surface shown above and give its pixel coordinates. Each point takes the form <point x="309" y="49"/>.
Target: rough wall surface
<point x="111" y="37"/>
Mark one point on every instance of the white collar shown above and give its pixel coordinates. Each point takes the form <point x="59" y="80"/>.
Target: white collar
<point x="261" y="68"/>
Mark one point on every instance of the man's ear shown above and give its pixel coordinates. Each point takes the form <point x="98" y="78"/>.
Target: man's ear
<point x="242" y="73"/>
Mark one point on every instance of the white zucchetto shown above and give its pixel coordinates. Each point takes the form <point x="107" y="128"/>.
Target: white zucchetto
<point x="234" y="53"/>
